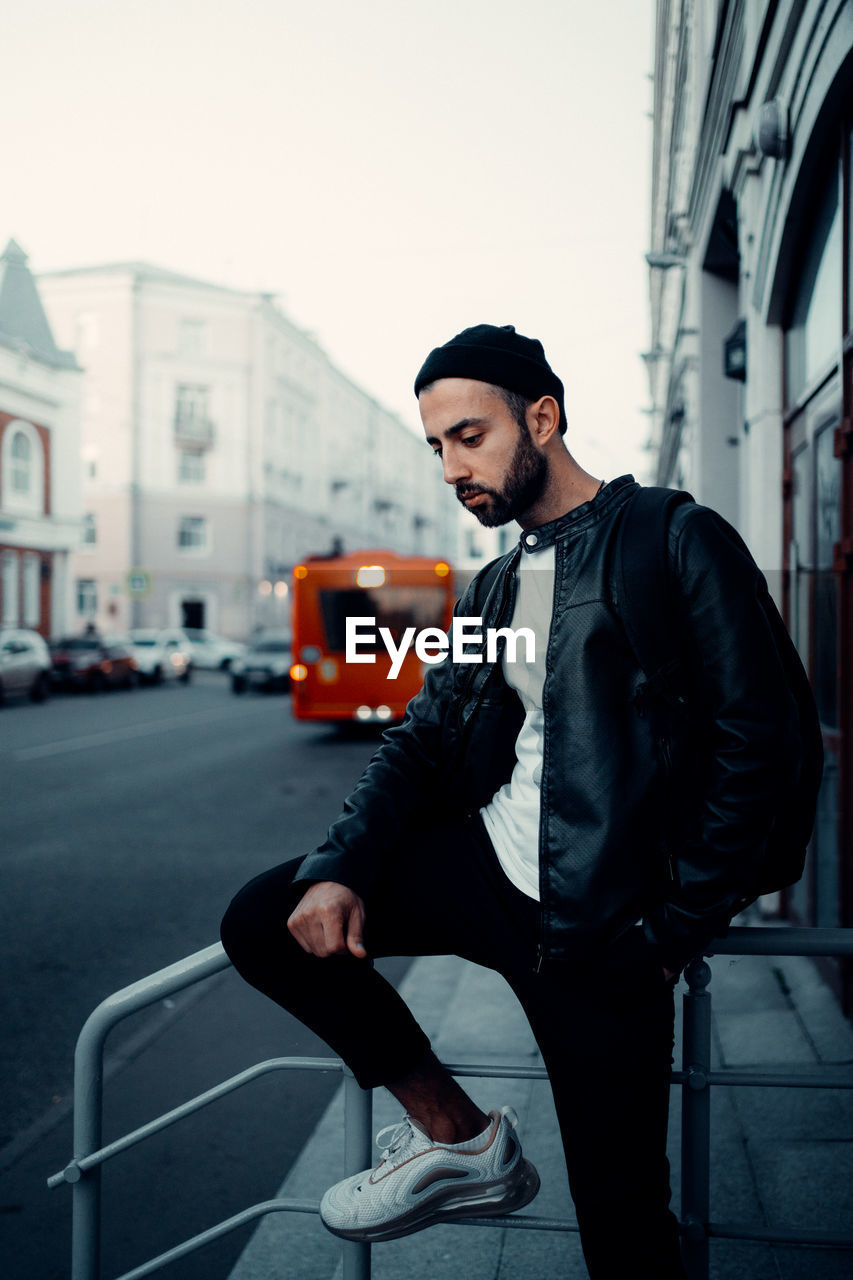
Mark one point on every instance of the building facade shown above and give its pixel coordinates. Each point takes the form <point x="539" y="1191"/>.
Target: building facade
<point x="751" y="364"/>
<point x="220" y="447"/>
<point x="40" y="480"/>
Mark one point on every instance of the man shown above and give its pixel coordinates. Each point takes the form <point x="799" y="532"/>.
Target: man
<point x="520" y="817"/>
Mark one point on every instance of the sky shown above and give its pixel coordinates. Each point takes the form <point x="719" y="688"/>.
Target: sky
<point x="393" y="171"/>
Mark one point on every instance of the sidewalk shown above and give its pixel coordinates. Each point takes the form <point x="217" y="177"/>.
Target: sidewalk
<point x="782" y="1156"/>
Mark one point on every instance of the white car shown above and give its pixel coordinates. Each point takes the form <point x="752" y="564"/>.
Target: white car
<point x="161" y="655"/>
<point x="25" y="664"/>
<point x="211" y="651"/>
<point x="266" y="664"/>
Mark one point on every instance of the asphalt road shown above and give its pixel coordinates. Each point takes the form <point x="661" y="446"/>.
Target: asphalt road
<point x="129" y="819"/>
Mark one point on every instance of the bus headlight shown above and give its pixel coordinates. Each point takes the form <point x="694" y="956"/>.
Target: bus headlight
<point x="370" y="575"/>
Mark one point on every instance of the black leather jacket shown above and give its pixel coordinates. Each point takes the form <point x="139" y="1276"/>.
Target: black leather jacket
<point x="635" y="821"/>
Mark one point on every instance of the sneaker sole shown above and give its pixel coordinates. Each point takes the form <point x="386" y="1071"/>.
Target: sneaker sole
<point x="493" y="1199"/>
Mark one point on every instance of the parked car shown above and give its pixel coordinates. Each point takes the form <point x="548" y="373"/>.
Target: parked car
<point x="265" y="665"/>
<point x="211" y="651"/>
<point x="24" y="664"/>
<point x="161" y="655"/>
<point x="93" y="662"/>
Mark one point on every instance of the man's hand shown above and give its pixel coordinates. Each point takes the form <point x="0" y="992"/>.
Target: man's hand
<point x="329" y="921"/>
<point x="670" y="976"/>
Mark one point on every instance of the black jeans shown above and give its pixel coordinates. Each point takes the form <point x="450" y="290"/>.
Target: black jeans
<point x="604" y="1029"/>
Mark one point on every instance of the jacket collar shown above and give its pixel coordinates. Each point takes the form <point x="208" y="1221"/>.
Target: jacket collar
<point x="546" y="535"/>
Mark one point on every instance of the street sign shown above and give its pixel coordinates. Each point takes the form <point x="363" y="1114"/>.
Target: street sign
<point x="138" y="583"/>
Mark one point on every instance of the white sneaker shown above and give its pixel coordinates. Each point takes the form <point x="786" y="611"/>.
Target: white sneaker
<point x="419" y="1182"/>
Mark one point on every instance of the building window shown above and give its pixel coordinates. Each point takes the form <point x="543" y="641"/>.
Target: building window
<point x="193" y="534"/>
<point x="22" y="463"/>
<point x="475" y="549"/>
<point x="193" y="425"/>
<point x="812" y="338"/>
<point x="191" y="467"/>
<point x="191" y="338"/>
<point x="32" y="580"/>
<point x="9" y="606"/>
<point x="191" y="405"/>
<point x="89" y="536"/>
<point x="87" y="597"/>
<point x="23" y="468"/>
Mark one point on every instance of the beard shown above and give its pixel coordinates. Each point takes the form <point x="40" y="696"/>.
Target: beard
<point x="525" y="482"/>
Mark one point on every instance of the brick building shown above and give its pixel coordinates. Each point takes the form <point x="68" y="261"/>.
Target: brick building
<point x="40" y="481"/>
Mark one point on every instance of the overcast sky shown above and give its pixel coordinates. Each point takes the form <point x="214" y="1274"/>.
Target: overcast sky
<point x="393" y="171"/>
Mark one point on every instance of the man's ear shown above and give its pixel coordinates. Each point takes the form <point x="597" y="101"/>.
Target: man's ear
<point x="543" y="419"/>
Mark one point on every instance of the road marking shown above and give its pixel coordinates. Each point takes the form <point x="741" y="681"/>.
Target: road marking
<point x="128" y="732"/>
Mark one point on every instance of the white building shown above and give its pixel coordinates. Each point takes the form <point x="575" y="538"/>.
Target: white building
<point x="752" y="324"/>
<point x="221" y="446"/>
<point x="40" y="480"/>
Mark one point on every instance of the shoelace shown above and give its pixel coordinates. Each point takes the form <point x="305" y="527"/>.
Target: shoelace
<point x="402" y="1133"/>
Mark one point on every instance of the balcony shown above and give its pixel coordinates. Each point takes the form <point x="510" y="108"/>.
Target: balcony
<point x="193" y="430"/>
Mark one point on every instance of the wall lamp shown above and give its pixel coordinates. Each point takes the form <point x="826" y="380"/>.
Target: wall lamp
<point x="773" y="134"/>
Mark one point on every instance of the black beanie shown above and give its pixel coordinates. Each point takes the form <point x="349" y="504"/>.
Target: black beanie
<point x="495" y="354"/>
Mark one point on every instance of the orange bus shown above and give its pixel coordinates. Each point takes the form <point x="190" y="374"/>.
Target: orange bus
<point x="355" y="617"/>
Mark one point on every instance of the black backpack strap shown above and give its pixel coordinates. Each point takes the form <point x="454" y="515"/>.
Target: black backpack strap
<point x="641" y="582"/>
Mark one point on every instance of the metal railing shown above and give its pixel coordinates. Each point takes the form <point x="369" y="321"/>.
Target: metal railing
<point x="696" y="1076"/>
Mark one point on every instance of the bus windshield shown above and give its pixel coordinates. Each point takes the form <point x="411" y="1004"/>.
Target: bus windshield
<point x="395" y="608"/>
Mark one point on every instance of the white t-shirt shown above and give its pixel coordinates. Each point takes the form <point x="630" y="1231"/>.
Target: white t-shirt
<point x="512" y="815"/>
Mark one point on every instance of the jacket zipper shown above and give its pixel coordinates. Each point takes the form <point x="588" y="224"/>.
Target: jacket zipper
<point x="540" y="946"/>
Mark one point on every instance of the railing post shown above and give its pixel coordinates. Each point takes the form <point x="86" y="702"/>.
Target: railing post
<point x="86" y="1187"/>
<point x="358" y="1153"/>
<point x="696" y="1120"/>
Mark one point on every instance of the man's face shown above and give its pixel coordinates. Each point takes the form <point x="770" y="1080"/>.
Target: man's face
<point x="493" y="464"/>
